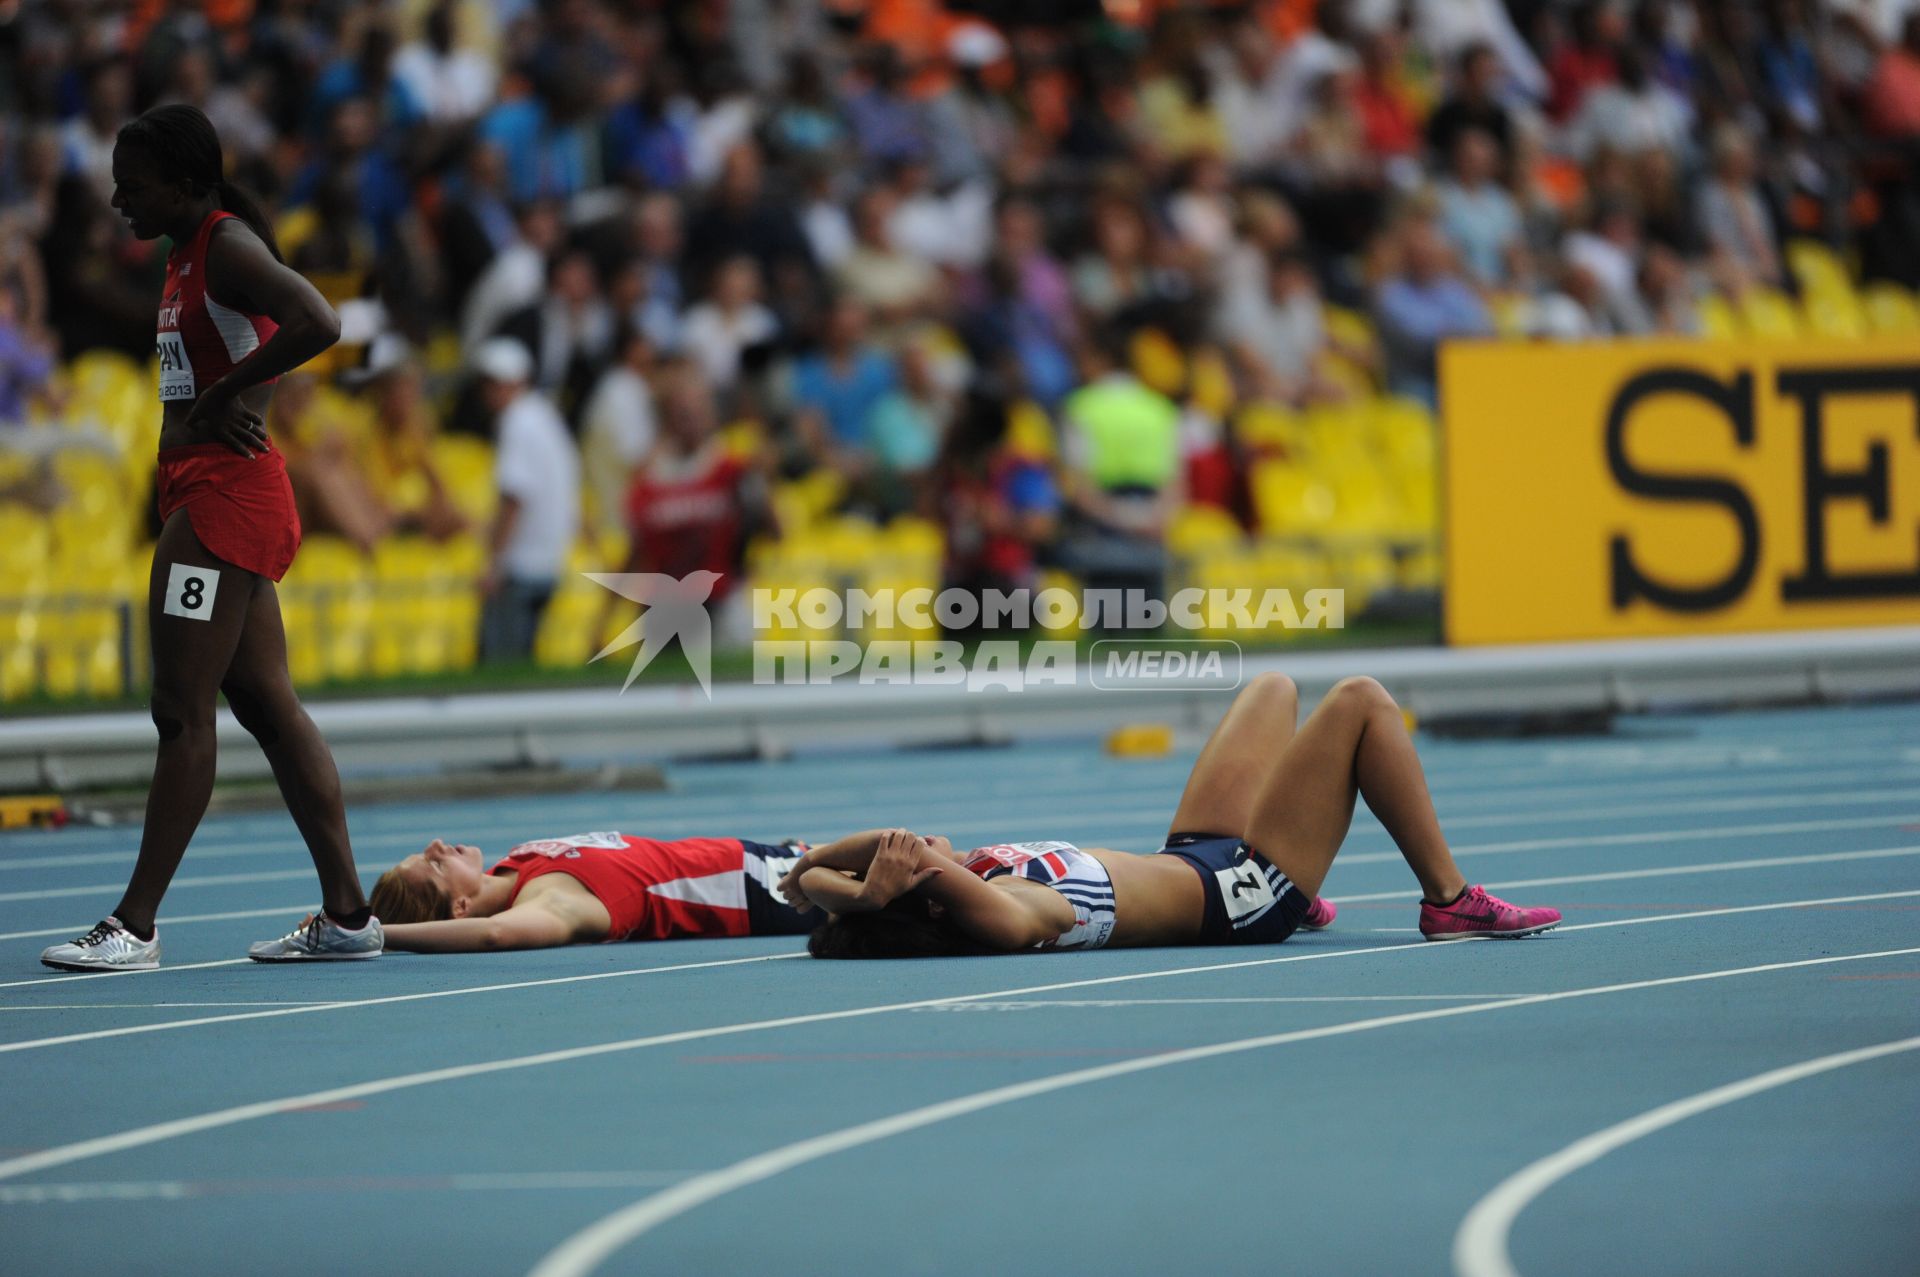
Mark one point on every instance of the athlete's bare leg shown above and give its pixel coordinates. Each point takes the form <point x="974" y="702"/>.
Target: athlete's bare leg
<point x="1226" y="778"/>
<point x="261" y="695"/>
<point x="1354" y="742"/>
<point x="190" y="657"/>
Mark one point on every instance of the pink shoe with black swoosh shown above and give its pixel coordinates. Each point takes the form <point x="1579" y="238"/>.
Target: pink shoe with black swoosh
<point x="1479" y="916"/>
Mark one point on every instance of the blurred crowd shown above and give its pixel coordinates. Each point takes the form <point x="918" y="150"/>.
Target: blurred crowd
<point x="686" y="250"/>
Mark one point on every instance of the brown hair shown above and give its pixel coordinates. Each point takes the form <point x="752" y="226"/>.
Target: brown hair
<point x="399" y="899"/>
<point x="901" y="930"/>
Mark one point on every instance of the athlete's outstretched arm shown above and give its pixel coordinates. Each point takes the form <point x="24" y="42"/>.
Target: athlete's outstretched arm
<point x="518" y="928"/>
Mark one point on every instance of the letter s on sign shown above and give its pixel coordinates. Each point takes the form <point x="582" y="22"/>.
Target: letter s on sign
<point x="1735" y="399"/>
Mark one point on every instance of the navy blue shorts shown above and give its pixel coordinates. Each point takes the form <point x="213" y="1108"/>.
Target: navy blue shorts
<point x="768" y="913"/>
<point x="1248" y="900"/>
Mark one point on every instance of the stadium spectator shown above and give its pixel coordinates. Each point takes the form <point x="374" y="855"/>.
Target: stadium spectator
<point x="1478" y="216"/>
<point x="617" y="428"/>
<point x="692" y="502"/>
<point x="743" y="217"/>
<point x="1733" y="216"/>
<point x="26" y="359"/>
<point x="1473" y="104"/>
<point x="892" y="284"/>
<point x="834" y="390"/>
<point x="1423" y="301"/>
<point x="570" y="330"/>
<point x="721" y="330"/>
<point x="1000" y="507"/>
<point x="1278" y="334"/>
<point x="908" y="426"/>
<point x="515" y="278"/>
<point x="537" y="474"/>
<point x="452" y="83"/>
<point x="1120" y="473"/>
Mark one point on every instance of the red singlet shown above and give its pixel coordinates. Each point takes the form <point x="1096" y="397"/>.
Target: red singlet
<point x="200" y="340"/>
<point x="690" y="887"/>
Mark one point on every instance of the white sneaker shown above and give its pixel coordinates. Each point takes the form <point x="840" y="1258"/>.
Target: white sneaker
<point x="321" y="939"/>
<point x="108" y="947"/>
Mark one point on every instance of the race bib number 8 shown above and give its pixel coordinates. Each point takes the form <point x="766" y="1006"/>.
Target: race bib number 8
<point x="1246" y="891"/>
<point x="190" y="591"/>
<point x="176" y="373"/>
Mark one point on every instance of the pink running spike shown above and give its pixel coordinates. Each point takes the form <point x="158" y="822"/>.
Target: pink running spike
<point x="1320" y="915"/>
<point x="1477" y="915"/>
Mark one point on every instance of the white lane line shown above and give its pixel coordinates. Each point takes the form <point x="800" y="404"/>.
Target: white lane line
<point x="290" y="912"/>
<point x="1655" y="836"/>
<point x="155" y="1006"/>
<point x="141" y="1136"/>
<point x="1109" y="1003"/>
<point x="1665" y="871"/>
<point x="209" y="880"/>
<point x="181" y="1189"/>
<point x="586" y="1250"/>
<point x="128" y="1030"/>
<point x="51" y="978"/>
<point x="1699" y="807"/>
<point x="1480" y="1247"/>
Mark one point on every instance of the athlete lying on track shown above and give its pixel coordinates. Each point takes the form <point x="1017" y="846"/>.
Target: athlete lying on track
<point x="590" y="888"/>
<point x="1264" y="811"/>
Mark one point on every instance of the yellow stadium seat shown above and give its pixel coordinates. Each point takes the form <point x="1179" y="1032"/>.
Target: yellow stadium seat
<point x="1718" y="319"/>
<point x="19" y="671"/>
<point x="1030" y="432"/>
<point x="1349" y="327"/>
<point x="1891" y="309"/>
<point x="1510" y="314"/>
<point x="1158" y="361"/>
<point x="1768" y="313"/>
<point x="1816" y="267"/>
<point x="1212" y="384"/>
<point x="1199" y="529"/>
<point x="1833" y="314"/>
<point x="1287" y="498"/>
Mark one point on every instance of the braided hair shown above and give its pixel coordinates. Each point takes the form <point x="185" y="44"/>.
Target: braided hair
<point x="182" y="142"/>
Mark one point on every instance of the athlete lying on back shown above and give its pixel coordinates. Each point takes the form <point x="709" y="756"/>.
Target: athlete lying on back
<point x="590" y="888"/>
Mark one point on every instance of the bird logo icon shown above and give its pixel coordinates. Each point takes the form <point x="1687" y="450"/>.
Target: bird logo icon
<point x="674" y="607"/>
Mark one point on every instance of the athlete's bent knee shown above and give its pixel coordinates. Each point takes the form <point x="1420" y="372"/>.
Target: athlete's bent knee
<point x="1360" y="694"/>
<point x="1273" y="684"/>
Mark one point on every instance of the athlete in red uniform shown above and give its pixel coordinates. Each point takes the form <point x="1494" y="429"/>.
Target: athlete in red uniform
<point x="585" y="889"/>
<point x="233" y="319"/>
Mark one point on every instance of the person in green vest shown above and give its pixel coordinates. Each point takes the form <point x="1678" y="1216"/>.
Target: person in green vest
<point x="1121" y="473"/>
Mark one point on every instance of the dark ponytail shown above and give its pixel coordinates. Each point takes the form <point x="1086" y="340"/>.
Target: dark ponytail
<point x="183" y="145"/>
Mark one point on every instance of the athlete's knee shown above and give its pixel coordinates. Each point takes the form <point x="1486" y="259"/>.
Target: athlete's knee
<point x="1274" y="685"/>
<point x="258" y="713"/>
<point x="1360" y="695"/>
<point x="174" y="714"/>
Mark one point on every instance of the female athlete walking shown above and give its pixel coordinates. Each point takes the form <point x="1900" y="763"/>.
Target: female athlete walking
<point x="232" y="319"/>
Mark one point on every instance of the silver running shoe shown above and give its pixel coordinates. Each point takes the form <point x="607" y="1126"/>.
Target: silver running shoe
<point x="321" y="939"/>
<point x="108" y="947"/>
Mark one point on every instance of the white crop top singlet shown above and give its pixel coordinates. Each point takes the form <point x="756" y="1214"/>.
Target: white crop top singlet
<point x="1065" y="868"/>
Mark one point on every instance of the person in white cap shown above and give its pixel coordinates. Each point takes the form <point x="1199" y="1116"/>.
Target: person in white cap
<point x="537" y="471"/>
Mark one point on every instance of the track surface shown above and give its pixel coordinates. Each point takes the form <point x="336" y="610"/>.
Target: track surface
<point x="1351" y="1102"/>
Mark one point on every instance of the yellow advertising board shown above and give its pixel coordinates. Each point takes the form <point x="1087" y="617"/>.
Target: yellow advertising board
<point x="1678" y="487"/>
